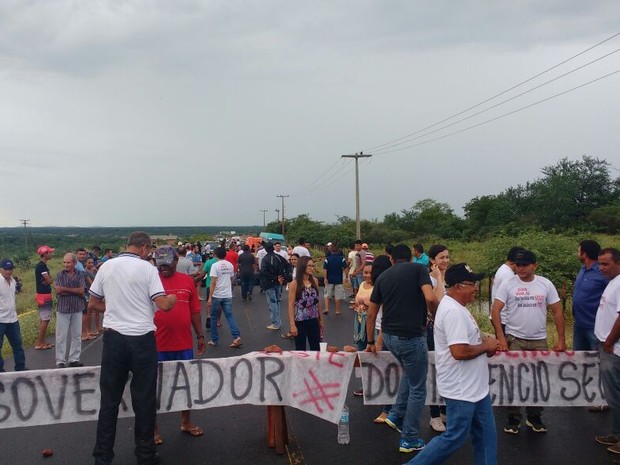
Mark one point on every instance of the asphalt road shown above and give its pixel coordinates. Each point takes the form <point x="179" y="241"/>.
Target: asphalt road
<point x="237" y="435"/>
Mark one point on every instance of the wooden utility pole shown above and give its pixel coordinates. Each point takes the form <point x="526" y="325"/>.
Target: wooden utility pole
<point x="357" y="156"/>
<point x="264" y="213"/>
<point x="25" y="225"/>
<point x="282" y="196"/>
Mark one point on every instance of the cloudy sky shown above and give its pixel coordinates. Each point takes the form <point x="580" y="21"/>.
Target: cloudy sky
<point x="187" y="112"/>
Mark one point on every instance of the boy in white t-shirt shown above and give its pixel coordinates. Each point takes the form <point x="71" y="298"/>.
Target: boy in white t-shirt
<point x="220" y="294"/>
<point x="526" y="297"/>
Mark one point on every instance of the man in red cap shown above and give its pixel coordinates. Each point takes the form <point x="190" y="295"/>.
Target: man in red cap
<point x="43" y="281"/>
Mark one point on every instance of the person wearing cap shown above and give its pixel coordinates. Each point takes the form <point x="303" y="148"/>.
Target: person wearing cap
<point x="462" y="374"/>
<point x="406" y="294"/>
<point x="130" y="286"/>
<point x="526" y="297"/>
<point x="354" y="260"/>
<point x="174" y="328"/>
<point x="607" y="331"/>
<point x="9" y="324"/>
<point x="69" y="286"/>
<point x="43" y="282"/>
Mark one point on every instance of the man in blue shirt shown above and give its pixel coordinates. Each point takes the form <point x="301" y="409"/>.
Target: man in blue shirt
<point x="333" y="269"/>
<point x="589" y="287"/>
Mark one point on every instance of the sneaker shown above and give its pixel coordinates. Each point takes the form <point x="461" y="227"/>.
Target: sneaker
<point x="358" y="392"/>
<point x="609" y="440"/>
<point x="212" y="343"/>
<point x="444" y="417"/>
<point x="437" y="424"/>
<point x="75" y="364"/>
<point x="614" y="449"/>
<point x="410" y="446"/>
<point x="250" y="297"/>
<point x="536" y="424"/>
<point x="274" y="327"/>
<point x="393" y="422"/>
<point x="61" y="365"/>
<point x="512" y="427"/>
<point x="236" y="343"/>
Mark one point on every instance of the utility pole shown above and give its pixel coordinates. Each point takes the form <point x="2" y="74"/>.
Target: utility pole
<point x="264" y="212"/>
<point x="357" y="156"/>
<point x="282" y="197"/>
<point x="25" y="225"/>
<point x="277" y="214"/>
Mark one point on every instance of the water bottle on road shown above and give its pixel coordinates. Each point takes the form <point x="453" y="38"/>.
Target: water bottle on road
<point x="343" y="426"/>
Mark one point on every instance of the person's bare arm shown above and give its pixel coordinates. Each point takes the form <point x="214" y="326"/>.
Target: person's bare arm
<point x="488" y="346"/>
<point x="292" y="290"/>
<point x="371" y="318"/>
<point x="558" y="318"/>
<point x="496" y="319"/>
<point x="96" y="304"/>
<point x="165" y="302"/>
<point x="431" y="299"/>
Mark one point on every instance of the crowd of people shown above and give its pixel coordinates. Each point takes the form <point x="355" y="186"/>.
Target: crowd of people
<point x="406" y="301"/>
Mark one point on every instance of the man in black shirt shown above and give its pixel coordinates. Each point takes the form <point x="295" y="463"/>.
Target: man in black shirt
<point x="247" y="265"/>
<point x="43" y="281"/>
<point x="406" y="293"/>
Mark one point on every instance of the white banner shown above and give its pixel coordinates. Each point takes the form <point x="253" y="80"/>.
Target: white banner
<point x="539" y="378"/>
<point x="315" y="382"/>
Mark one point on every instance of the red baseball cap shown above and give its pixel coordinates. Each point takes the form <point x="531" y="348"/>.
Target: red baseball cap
<point x="44" y="249"/>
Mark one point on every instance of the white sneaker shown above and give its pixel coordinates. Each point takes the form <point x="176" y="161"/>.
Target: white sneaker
<point x="443" y="417"/>
<point x="437" y="425"/>
<point x="274" y="327"/>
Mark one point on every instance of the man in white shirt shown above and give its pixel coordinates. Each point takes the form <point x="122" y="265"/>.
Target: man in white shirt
<point x="527" y="296"/>
<point x="607" y="330"/>
<point x="504" y="273"/>
<point x="302" y="249"/>
<point x="9" y="324"/>
<point x="124" y="290"/>
<point x="462" y="374"/>
<point x="220" y="295"/>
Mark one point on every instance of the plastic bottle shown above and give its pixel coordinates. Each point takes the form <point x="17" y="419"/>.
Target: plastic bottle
<point x="343" y="426"/>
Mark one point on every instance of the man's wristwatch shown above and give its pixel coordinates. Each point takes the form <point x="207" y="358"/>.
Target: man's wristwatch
<point x="370" y="343"/>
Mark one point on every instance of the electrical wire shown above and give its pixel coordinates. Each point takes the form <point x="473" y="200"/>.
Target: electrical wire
<point x="376" y="147"/>
<point x="385" y="150"/>
<point x="505" y="114"/>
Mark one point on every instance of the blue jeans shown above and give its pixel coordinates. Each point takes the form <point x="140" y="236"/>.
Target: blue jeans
<point x="465" y="418"/>
<point x="584" y="339"/>
<point x="610" y="376"/>
<point x="14" y="336"/>
<point x="412" y="354"/>
<point x="274" y="296"/>
<point x="226" y="304"/>
<point x="247" y="285"/>
<point x="120" y="355"/>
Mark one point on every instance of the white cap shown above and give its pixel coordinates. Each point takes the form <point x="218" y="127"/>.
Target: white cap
<point x="329" y="244"/>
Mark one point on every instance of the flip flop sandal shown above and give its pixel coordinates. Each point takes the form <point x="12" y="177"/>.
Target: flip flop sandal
<point x="193" y="431"/>
<point x="158" y="440"/>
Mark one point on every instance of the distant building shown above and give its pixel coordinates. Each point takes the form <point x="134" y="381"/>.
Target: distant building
<point x="168" y="240"/>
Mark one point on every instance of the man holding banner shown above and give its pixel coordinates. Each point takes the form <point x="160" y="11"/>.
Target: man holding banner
<point x="526" y="297"/>
<point x="462" y="374"/>
<point x="607" y="330"/>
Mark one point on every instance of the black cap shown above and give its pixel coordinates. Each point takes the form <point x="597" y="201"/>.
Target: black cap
<point x="461" y="272"/>
<point x="524" y="257"/>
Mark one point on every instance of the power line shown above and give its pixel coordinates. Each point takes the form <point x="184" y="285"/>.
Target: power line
<point x="497" y="104"/>
<point x="505" y="114"/>
<point x="495" y="96"/>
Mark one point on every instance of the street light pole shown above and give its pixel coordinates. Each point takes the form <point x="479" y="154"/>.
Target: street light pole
<point x="357" y="156"/>
<point x="264" y="223"/>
